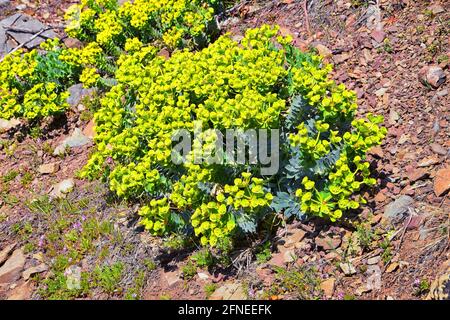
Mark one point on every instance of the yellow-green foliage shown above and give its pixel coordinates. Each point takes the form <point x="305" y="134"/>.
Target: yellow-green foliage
<point x="171" y="21"/>
<point x="228" y="84"/>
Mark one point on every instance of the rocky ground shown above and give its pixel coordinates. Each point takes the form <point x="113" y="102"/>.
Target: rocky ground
<point x="65" y="238"/>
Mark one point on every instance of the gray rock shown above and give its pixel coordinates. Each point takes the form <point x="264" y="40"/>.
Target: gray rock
<point x="4" y="3"/>
<point x="77" y="139"/>
<point x="12" y="268"/>
<point x="61" y="189"/>
<point x="373" y="260"/>
<point x="21" y="28"/>
<point x="397" y="208"/>
<point x="77" y="94"/>
<point x="347" y="268"/>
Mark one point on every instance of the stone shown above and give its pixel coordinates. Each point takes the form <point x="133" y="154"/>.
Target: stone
<point x="442" y="181"/>
<point x="328" y="243"/>
<point x="381" y="92"/>
<point x="340" y="58"/>
<point x="229" y="291"/>
<point x="77" y="94"/>
<point x="392" y="267"/>
<point x="393" y="117"/>
<point x="417" y="174"/>
<point x="33" y="270"/>
<point x="172" y="278"/>
<point x="373" y="260"/>
<point x="60" y="190"/>
<point x="323" y="51"/>
<point x="429" y="161"/>
<point x="73" y="43"/>
<point x="328" y="287"/>
<point x="21" y="292"/>
<point x="378" y="35"/>
<point x="277" y="260"/>
<point x="203" y="276"/>
<point x="6" y="251"/>
<point x="380" y="197"/>
<point x="437" y="148"/>
<point x="377" y="151"/>
<point x="12" y="268"/>
<point x="432" y="75"/>
<point x="89" y="131"/>
<point x="398" y="207"/>
<point x="362" y="289"/>
<point x="27" y="27"/>
<point x="6" y="125"/>
<point x="4" y="3"/>
<point x="77" y="139"/>
<point x="294" y="237"/>
<point x="48" y="168"/>
<point x="347" y="268"/>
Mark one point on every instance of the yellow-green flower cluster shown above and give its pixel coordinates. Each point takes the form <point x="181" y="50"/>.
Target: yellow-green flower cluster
<point x="246" y="193"/>
<point x="171" y="21"/>
<point x="314" y="146"/>
<point x="156" y="216"/>
<point x="23" y="93"/>
<point x="349" y="175"/>
<point x="333" y="101"/>
<point x="212" y="222"/>
<point x="42" y="100"/>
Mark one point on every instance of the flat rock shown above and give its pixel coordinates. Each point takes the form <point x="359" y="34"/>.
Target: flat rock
<point x="347" y="268"/>
<point x="398" y="207"/>
<point x="89" y="131"/>
<point x="294" y="236"/>
<point x="230" y="291"/>
<point x="323" y="50"/>
<point x="436" y="8"/>
<point x="328" y="287"/>
<point x="77" y="139"/>
<point x="33" y="270"/>
<point x="6" y="125"/>
<point x="432" y="75"/>
<point x="48" y="168"/>
<point x="77" y="94"/>
<point x="437" y="148"/>
<point x="328" y="243"/>
<point x="11" y="270"/>
<point x="442" y="182"/>
<point x="6" y="251"/>
<point x="172" y="278"/>
<point x="4" y="3"/>
<point x="373" y="260"/>
<point x="21" y="292"/>
<point x="289" y="256"/>
<point x="60" y="190"/>
<point x="22" y="28"/>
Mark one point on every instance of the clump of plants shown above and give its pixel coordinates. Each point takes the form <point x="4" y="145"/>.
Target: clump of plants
<point x="176" y="24"/>
<point x="261" y="82"/>
<point x="34" y="84"/>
